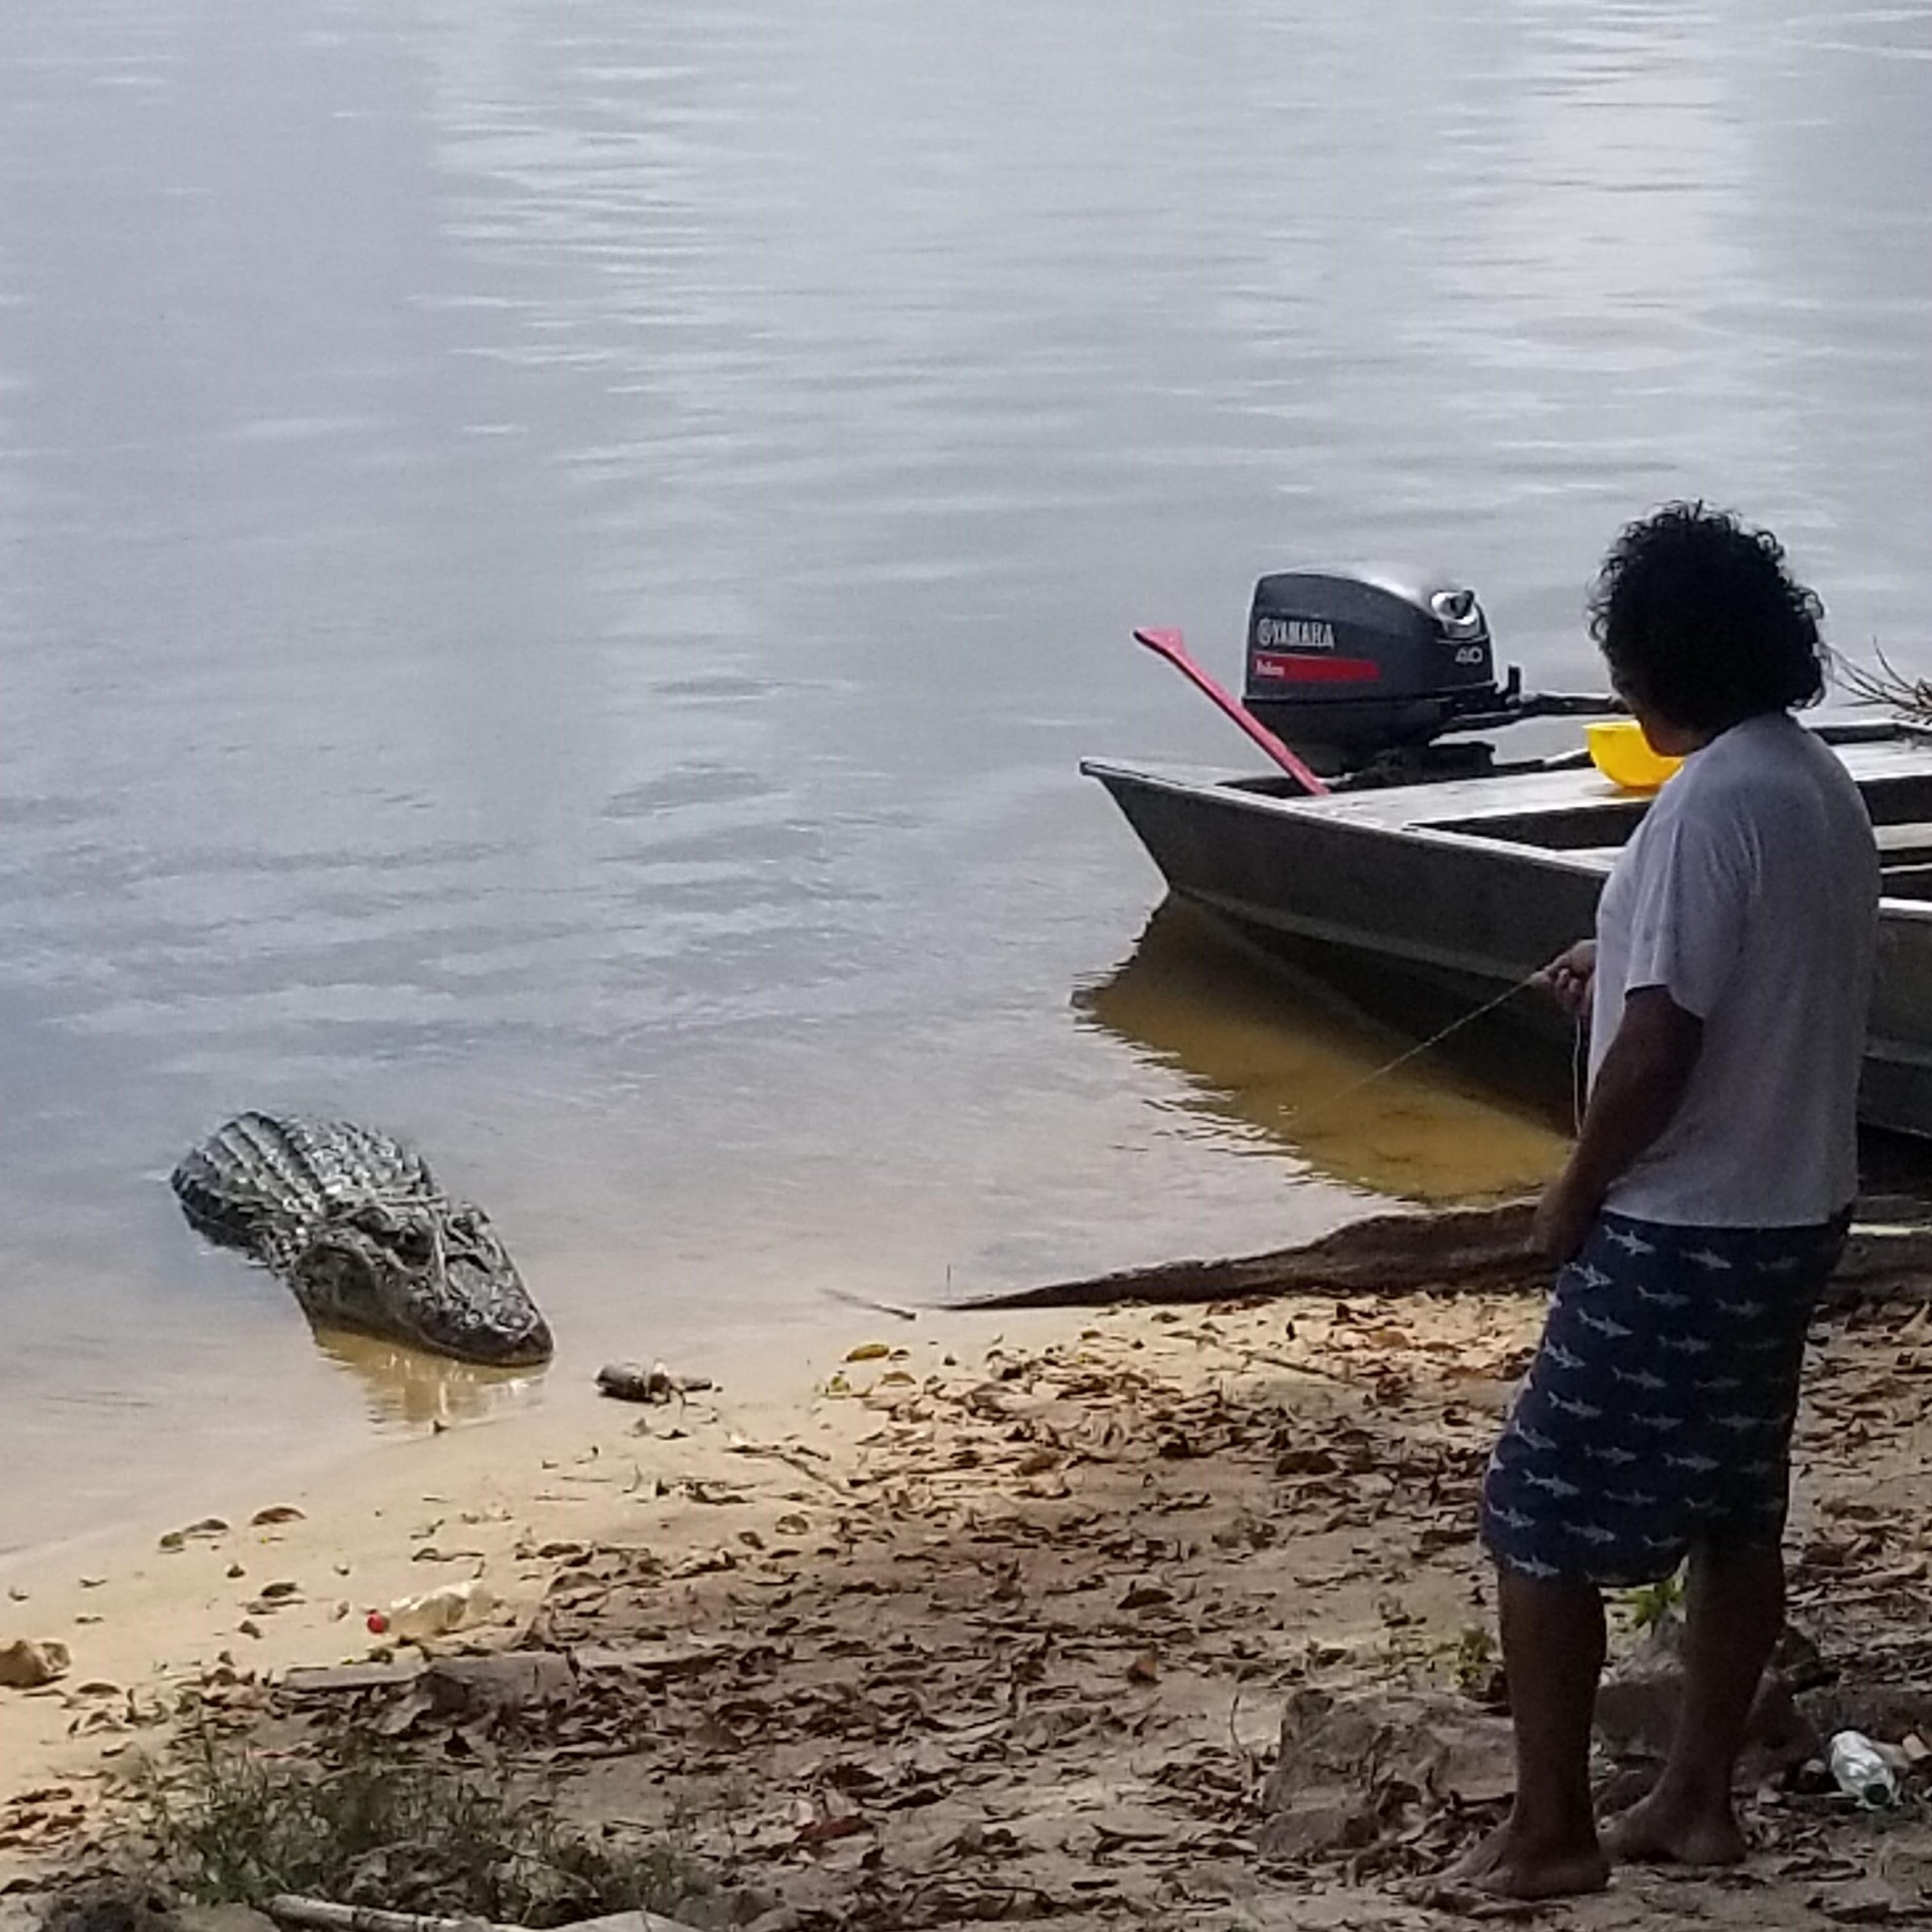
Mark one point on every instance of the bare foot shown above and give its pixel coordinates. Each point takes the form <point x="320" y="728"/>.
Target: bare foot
<point x="1666" y="1829"/>
<point x="1508" y="1864"/>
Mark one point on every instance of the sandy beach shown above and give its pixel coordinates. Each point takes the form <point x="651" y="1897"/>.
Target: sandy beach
<point x="986" y="1616"/>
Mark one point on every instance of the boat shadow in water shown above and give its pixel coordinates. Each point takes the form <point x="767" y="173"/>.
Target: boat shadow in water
<point x="1287" y="1056"/>
<point x="409" y="1387"/>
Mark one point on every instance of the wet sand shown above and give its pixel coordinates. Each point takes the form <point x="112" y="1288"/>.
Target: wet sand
<point x="999" y="1614"/>
<point x="398" y="1517"/>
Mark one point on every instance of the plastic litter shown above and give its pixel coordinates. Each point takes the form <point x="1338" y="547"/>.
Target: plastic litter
<point x="1858" y="1768"/>
<point x="438" y="1612"/>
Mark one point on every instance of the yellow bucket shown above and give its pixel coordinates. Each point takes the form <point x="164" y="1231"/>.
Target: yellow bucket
<point x="1619" y="750"/>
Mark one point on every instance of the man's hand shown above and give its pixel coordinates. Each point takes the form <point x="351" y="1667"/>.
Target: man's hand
<point x="1569" y="977"/>
<point x="1563" y="1217"/>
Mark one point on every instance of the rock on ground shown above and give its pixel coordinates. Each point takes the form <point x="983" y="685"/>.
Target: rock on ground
<point x="27" y="1666"/>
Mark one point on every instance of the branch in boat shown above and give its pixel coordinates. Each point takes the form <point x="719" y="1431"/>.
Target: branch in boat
<point x="1886" y="685"/>
<point x="308" y="1915"/>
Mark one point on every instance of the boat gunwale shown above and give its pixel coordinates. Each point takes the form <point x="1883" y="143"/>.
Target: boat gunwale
<point x="1236" y="791"/>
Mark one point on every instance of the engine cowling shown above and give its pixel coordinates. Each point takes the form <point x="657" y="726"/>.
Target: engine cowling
<point x="1345" y="667"/>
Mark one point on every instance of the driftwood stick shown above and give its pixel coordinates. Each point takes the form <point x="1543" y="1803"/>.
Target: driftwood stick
<point x="1883" y="1262"/>
<point x="1463" y="1248"/>
<point x="1390" y="1254"/>
<point x="321" y="1916"/>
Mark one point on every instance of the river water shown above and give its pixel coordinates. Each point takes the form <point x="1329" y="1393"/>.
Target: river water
<point x="557" y="558"/>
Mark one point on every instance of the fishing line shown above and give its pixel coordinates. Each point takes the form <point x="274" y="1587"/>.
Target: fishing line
<point x="1421" y="1046"/>
<point x="1580" y="1075"/>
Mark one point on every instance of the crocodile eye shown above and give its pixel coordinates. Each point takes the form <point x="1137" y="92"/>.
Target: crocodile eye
<point x="411" y="1240"/>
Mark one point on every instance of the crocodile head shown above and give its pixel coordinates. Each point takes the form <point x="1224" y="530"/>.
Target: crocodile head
<point x="430" y="1273"/>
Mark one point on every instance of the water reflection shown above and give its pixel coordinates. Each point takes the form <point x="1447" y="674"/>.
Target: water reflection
<point x="405" y="1385"/>
<point x="1287" y="1062"/>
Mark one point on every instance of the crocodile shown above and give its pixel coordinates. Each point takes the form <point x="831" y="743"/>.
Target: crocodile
<point x="359" y="1229"/>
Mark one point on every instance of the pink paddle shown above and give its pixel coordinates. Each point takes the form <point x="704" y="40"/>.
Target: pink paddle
<point x="1172" y="647"/>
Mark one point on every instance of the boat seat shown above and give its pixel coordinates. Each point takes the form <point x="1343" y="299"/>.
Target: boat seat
<point x="1906" y="882"/>
<point x="1898" y="845"/>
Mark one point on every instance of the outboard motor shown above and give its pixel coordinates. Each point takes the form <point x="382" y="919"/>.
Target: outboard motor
<point x="1348" y="669"/>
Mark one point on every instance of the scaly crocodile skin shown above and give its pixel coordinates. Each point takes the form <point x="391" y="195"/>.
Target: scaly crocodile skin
<point x="360" y="1230"/>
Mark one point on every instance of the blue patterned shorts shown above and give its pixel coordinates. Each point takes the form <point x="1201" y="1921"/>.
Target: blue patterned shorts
<point x="1658" y="1412"/>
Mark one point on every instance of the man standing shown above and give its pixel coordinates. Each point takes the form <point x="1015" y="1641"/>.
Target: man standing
<point x="1703" y="1207"/>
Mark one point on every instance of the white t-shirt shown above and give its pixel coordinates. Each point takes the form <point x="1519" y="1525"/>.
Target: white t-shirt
<point x="1750" y="894"/>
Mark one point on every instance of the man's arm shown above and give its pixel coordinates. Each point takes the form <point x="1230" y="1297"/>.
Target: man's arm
<point x="1637" y="1091"/>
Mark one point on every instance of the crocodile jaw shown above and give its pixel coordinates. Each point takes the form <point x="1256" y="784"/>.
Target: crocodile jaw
<point x="435" y="1277"/>
<point x="485" y="1314"/>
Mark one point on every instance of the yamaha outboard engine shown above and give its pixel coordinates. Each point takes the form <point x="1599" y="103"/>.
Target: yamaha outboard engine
<point x="1349" y="669"/>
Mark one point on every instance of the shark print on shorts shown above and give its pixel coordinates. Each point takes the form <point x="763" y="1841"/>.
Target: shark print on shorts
<point x="1658" y="1411"/>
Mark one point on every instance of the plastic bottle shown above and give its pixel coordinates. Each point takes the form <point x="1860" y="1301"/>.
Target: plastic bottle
<point x="1859" y="1769"/>
<point x="436" y="1612"/>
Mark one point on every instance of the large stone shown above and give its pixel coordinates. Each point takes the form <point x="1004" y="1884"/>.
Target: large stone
<point x="1637" y="1712"/>
<point x="468" y="1686"/>
<point x="107" y="1905"/>
<point x="350" y="1680"/>
<point x="1348" y="1761"/>
<point x="1639" y="1699"/>
<point x="1890" y="1712"/>
<point x="220" y="1918"/>
<point x="1317" y="1822"/>
<point x="1869" y="1902"/>
<point x="27" y="1666"/>
<point x="638" y="1920"/>
<point x="1403" y="1744"/>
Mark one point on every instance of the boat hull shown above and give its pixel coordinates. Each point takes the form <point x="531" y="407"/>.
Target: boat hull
<point x="1403" y="888"/>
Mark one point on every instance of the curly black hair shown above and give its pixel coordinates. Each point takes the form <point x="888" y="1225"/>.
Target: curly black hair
<point x="1699" y="619"/>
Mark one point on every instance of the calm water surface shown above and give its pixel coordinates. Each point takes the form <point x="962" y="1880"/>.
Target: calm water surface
<point x="557" y="557"/>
